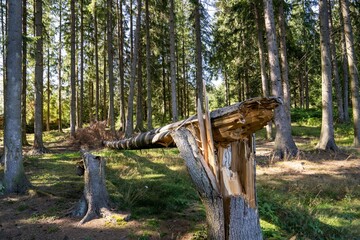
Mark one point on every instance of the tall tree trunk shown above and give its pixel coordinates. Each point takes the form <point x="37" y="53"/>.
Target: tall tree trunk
<point x="48" y="90"/>
<point x="284" y="143"/>
<point x="226" y="81"/>
<point x="264" y="78"/>
<point x="284" y="62"/>
<point x="129" y="126"/>
<point x="327" y="140"/>
<point x="72" y="73"/>
<point x="164" y="86"/>
<point x="81" y="102"/>
<point x="24" y="83"/>
<point x="344" y="67"/>
<point x="198" y="50"/>
<point x="139" y="99"/>
<point x="354" y="73"/>
<point x="39" y="70"/>
<point x="97" y="92"/>
<point x="174" y="107"/>
<point x="60" y="68"/>
<point x="104" y="110"/>
<point x="148" y="69"/>
<point x="335" y="71"/>
<point x="15" y="180"/>
<point x="110" y="65"/>
<point x="121" y="36"/>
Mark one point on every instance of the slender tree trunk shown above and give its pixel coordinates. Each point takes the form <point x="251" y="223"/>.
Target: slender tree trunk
<point x="198" y="50"/>
<point x="284" y="62"/>
<point x="335" y="71"/>
<point x="148" y="69"/>
<point x="327" y="140"/>
<point x="72" y="73"/>
<point x="39" y="70"/>
<point x="129" y="126"/>
<point x="24" y="83"/>
<point x="284" y="143"/>
<point x="139" y="99"/>
<point x="97" y="92"/>
<point x="354" y="73"/>
<point x="121" y="65"/>
<point x="81" y="102"/>
<point x="15" y="180"/>
<point x="48" y="90"/>
<point x="264" y="78"/>
<point x="344" y="68"/>
<point x="104" y="110"/>
<point x="226" y="81"/>
<point x="164" y="86"/>
<point x="110" y="66"/>
<point x="174" y="107"/>
<point x="60" y="69"/>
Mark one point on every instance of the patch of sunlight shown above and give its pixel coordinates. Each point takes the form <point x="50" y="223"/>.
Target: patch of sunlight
<point x="269" y="226"/>
<point x="332" y="221"/>
<point x="151" y="176"/>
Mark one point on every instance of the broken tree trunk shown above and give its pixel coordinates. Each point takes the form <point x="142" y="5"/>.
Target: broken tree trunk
<point x="95" y="200"/>
<point x="218" y="149"/>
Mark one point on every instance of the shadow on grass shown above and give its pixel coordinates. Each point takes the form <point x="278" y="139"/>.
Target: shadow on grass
<point x="311" y="206"/>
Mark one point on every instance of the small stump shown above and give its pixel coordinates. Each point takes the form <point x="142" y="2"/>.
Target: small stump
<point x="95" y="201"/>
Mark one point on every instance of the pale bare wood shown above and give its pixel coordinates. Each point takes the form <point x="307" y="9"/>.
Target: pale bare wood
<point x="202" y="132"/>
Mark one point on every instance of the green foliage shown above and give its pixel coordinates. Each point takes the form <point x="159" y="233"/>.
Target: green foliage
<point x="308" y="117"/>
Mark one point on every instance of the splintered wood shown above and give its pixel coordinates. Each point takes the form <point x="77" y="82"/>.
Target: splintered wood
<point x="224" y="138"/>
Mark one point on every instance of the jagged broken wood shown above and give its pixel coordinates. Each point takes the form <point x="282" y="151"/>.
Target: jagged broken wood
<point x="218" y="149"/>
<point x="228" y="124"/>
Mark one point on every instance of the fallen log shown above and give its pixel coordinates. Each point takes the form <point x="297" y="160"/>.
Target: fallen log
<point x="228" y="124"/>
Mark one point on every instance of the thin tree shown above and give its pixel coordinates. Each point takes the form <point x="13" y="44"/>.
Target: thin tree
<point x="15" y="180"/>
<point x="198" y="50"/>
<point x="148" y="68"/>
<point x="335" y="70"/>
<point x="110" y="53"/>
<point x="97" y="81"/>
<point x="264" y="78"/>
<point x="283" y="60"/>
<point x="121" y="64"/>
<point x="284" y="143"/>
<point x="354" y="73"/>
<point x="345" y="70"/>
<point x="38" y="147"/>
<point x="48" y="88"/>
<point x="24" y="83"/>
<point x="81" y="100"/>
<point x="129" y="123"/>
<point x="327" y="140"/>
<point x="139" y="126"/>
<point x="174" y="99"/>
<point x="72" y="71"/>
<point x="60" y="69"/>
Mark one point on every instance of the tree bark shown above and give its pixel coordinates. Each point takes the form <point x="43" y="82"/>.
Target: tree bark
<point x="48" y="90"/>
<point x="15" y="180"/>
<point x="139" y="98"/>
<point x="284" y="143"/>
<point x="354" y="73"/>
<point x="81" y="102"/>
<point x="327" y="140"/>
<point x="95" y="200"/>
<point x="97" y="92"/>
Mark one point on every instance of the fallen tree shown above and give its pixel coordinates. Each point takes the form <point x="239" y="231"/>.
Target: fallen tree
<point x="219" y="152"/>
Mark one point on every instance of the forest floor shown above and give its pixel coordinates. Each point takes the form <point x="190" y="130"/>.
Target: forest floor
<point x="315" y="196"/>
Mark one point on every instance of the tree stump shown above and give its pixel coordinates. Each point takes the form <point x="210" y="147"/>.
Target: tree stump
<point x="95" y="201"/>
